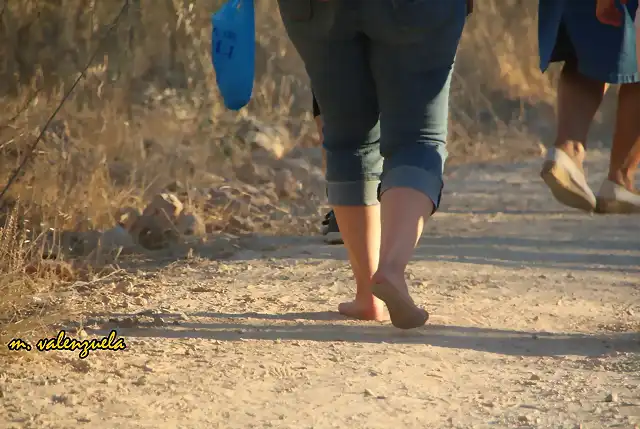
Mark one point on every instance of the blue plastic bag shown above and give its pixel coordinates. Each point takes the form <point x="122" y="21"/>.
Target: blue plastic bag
<point x="233" y="51"/>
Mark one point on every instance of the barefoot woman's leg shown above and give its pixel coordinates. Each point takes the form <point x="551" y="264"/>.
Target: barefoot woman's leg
<point x="412" y="54"/>
<point x="579" y="98"/>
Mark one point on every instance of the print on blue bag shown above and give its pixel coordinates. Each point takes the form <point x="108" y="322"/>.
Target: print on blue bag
<point x="233" y="47"/>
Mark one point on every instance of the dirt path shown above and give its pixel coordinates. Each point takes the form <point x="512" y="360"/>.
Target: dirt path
<point x="535" y="320"/>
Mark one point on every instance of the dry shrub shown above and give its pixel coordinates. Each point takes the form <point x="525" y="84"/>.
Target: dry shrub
<point x="27" y="283"/>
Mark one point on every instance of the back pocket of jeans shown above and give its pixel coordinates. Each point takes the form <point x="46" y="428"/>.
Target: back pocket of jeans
<point x="296" y="10"/>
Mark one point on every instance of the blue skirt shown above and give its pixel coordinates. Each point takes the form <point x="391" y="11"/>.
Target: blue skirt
<point x="568" y="31"/>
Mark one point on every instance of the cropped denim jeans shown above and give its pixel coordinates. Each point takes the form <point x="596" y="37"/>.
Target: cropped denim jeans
<point x="381" y="72"/>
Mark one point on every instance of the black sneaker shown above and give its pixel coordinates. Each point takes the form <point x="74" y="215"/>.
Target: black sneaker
<point x="330" y="229"/>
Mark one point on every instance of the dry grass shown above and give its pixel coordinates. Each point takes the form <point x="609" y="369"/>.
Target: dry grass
<point x="27" y="283"/>
<point x="148" y="113"/>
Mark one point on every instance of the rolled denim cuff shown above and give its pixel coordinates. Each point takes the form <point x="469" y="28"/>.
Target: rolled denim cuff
<point x="421" y="180"/>
<point x="358" y="193"/>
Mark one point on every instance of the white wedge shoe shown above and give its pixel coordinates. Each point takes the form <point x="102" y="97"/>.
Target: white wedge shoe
<point x="614" y="198"/>
<point x="567" y="181"/>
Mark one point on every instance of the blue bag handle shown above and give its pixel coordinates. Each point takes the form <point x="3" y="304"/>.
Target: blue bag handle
<point x="233" y="51"/>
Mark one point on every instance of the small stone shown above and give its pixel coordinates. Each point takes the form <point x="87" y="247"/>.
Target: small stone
<point x="127" y="322"/>
<point x="123" y="286"/>
<point x="286" y="184"/>
<point x="140" y="381"/>
<point x="368" y="393"/>
<point x="81" y="365"/>
<point x="166" y="204"/>
<point x="247" y="172"/>
<point x="51" y="269"/>
<point x="140" y="301"/>
<point x="127" y="217"/>
<point x="158" y="321"/>
<point x="524" y="419"/>
<point x="190" y="224"/>
<point x="82" y="334"/>
<point x="68" y="400"/>
<point x="611" y="397"/>
<point x="237" y="223"/>
<point x="534" y="377"/>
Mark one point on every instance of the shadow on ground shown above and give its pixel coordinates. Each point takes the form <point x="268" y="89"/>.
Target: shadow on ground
<point x="331" y="327"/>
<point x="517" y="252"/>
<point x="503" y="251"/>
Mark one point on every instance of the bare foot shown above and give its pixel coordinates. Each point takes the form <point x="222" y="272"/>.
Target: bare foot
<point x="363" y="310"/>
<point x="405" y="314"/>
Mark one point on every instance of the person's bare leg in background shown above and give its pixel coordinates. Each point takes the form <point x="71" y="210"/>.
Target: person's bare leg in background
<point x="625" y="153"/>
<point x="579" y="98"/>
<point x="618" y="193"/>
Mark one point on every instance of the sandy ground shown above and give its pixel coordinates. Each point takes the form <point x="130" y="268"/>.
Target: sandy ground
<point x="535" y="320"/>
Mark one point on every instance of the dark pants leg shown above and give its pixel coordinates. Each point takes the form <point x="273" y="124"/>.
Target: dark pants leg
<point x="380" y="70"/>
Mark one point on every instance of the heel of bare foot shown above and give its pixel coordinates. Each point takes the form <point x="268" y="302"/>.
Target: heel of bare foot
<point x="372" y="310"/>
<point x="404" y="313"/>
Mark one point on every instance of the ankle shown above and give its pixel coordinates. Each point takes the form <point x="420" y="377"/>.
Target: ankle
<point x="572" y="148"/>
<point x="623" y="177"/>
<point x="392" y="273"/>
<point x="366" y="298"/>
